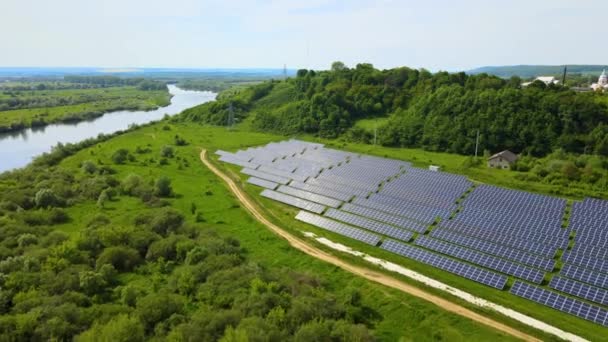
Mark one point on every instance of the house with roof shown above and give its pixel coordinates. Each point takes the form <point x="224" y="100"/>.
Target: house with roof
<point x="602" y="82"/>
<point x="502" y="160"/>
<point x="547" y="80"/>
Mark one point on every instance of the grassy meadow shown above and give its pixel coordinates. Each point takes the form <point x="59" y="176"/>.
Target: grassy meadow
<point x="399" y="316"/>
<point x="61" y="105"/>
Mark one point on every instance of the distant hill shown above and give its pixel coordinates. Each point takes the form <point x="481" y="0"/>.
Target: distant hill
<point x="170" y="73"/>
<point x="527" y="71"/>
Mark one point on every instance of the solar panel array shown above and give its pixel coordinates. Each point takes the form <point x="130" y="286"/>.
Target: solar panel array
<point x="263" y="183"/>
<point x="462" y="269"/>
<point x="581" y="290"/>
<point x="369" y="224"/>
<point x="293" y="201"/>
<point x="483" y="233"/>
<point x="560" y="302"/>
<point x="506" y="252"/>
<point x="482" y="259"/>
<point x="338" y="228"/>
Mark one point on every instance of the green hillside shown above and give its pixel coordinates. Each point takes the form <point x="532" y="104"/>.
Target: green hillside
<point x="438" y="112"/>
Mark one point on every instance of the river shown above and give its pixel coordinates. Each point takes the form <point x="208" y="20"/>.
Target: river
<point x="18" y="148"/>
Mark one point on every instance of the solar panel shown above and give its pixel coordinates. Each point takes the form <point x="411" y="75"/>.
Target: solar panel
<point x="368" y="224"/>
<point x="495" y="249"/>
<point x="581" y="290"/>
<point x="482" y="259"/>
<point x="233" y="160"/>
<point x="585" y="261"/>
<point x="322" y="191"/>
<point x="398" y="221"/>
<point x="462" y="269"/>
<point x="560" y="302"/>
<point x="262" y="182"/>
<point x="330" y="202"/>
<point x="293" y="201"/>
<point x="338" y="228"/>
<point x="266" y="176"/>
<point x="584" y="275"/>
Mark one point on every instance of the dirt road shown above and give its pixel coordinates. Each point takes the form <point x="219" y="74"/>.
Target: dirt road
<point x="369" y="274"/>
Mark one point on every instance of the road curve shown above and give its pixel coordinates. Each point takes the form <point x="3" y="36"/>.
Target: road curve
<point x="364" y="272"/>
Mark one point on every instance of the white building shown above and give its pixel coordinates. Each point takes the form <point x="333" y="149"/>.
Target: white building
<point x="602" y="82"/>
<point x="545" y="79"/>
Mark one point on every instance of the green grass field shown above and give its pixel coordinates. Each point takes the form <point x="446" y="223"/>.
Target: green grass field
<point x="223" y="211"/>
<point x="83" y="103"/>
<point x="400" y="317"/>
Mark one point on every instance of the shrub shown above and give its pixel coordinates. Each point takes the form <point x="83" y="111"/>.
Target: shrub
<point x="89" y="167"/>
<point x="166" y="151"/>
<point x="120" y="156"/>
<point x="122" y="258"/>
<point x="163" y="187"/>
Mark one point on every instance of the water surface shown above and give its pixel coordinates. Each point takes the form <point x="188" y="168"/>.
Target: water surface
<point x="18" y="148"/>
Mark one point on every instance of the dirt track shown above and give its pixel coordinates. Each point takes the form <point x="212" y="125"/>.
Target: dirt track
<point x="369" y="274"/>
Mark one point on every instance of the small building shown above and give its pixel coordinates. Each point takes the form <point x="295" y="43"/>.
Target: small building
<point x="602" y="83"/>
<point x="502" y="160"/>
<point x="435" y="168"/>
<point x="547" y="80"/>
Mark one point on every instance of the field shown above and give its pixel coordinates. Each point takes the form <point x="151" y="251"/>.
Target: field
<point x="40" y="107"/>
<point x="400" y="317"/>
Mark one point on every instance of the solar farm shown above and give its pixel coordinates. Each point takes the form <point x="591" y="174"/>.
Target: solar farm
<point x="484" y="233"/>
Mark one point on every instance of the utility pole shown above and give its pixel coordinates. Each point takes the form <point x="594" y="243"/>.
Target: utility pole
<point x="230" y="122"/>
<point x="375" y="133"/>
<point x="564" y="77"/>
<point x="476" y="143"/>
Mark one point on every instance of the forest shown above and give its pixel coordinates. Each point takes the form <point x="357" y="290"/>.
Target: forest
<point x="438" y="112"/>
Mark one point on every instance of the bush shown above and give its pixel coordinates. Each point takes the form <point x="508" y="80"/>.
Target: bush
<point x="122" y="258"/>
<point x="163" y="187"/>
<point x="45" y="198"/>
<point x="89" y="167"/>
<point x="166" y="151"/>
<point x="120" y="156"/>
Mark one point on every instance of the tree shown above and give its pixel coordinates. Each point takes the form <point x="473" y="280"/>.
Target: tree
<point x="89" y="167"/>
<point x="120" y="156"/>
<point x="122" y="328"/>
<point x="45" y="198"/>
<point x="166" y="151"/>
<point x="338" y="66"/>
<point x="121" y="257"/>
<point x="163" y="187"/>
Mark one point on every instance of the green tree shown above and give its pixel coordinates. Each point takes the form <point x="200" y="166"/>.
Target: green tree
<point x="120" y="156"/>
<point x="45" y="198"/>
<point x="122" y="328"/>
<point x="163" y="187"/>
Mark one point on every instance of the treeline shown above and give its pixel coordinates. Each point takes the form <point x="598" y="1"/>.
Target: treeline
<point x="160" y="275"/>
<point x="115" y="81"/>
<point x="440" y="112"/>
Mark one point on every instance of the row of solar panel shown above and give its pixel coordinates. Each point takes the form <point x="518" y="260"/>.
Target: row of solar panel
<point x="399" y="221"/>
<point x="482" y="259"/>
<point x="417" y="216"/>
<point x="560" y="302"/>
<point x="507" y="222"/>
<point x="338" y="228"/>
<point x="578" y="289"/>
<point x="235" y="161"/>
<point x="330" y="202"/>
<point x="506" y="252"/>
<point x="585" y="275"/>
<point x="338" y="187"/>
<point x="369" y="224"/>
<point x="293" y="201"/>
<point x="518" y="241"/>
<point x="590" y="250"/>
<point x="411" y="205"/>
<point x="322" y="191"/>
<point x="477" y="274"/>
<point x="585" y="261"/>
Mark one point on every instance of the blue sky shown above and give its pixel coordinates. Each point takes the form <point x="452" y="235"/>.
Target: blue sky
<point x="435" y="34"/>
